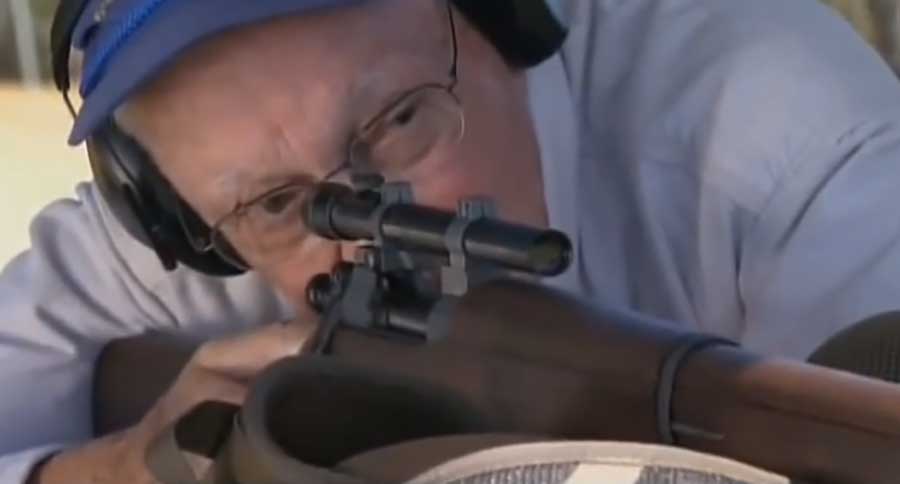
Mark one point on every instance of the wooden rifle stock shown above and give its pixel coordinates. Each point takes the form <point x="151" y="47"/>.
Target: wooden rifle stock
<point x="131" y="374"/>
<point x="536" y="362"/>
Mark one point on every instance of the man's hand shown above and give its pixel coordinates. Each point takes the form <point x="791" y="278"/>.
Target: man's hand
<point x="218" y="370"/>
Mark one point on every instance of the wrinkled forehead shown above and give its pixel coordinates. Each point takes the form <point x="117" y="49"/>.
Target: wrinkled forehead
<point x="304" y="63"/>
<point x="128" y="43"/>
<point x="280" y="97"/>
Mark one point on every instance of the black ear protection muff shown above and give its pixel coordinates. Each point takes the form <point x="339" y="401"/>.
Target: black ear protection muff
<point x="525" y="32"/>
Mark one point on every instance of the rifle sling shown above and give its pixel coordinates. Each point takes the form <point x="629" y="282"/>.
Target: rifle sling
<point x="674" y="361"/>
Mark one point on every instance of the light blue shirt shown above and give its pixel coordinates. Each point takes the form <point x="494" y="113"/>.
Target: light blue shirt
<point x="731" y="166"/>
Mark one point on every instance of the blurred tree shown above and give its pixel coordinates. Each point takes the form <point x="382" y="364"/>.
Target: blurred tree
<point x="44" y="8"/>
<point x="9" y="63"/>
<point x="43" y="11"/>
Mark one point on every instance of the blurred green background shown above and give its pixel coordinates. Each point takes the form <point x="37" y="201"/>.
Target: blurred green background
<point x="37" y="166"/>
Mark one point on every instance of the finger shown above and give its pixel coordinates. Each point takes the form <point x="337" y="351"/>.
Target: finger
<point x="197" y="386"/>
<point x="192" y="388"/>
<point x="246" y="355"/>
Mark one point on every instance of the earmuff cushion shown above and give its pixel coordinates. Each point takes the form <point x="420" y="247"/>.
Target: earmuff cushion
<point x="525" y="32"/>
<point x="146" y="205"/>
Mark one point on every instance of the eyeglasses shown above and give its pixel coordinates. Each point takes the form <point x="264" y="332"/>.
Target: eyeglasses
<point x="418" y="124"/>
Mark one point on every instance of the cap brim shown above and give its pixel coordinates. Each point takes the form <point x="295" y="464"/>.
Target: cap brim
<point x="167" y="33"/>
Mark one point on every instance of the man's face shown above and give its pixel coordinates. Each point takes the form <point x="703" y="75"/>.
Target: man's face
<point x="280" y="103"/>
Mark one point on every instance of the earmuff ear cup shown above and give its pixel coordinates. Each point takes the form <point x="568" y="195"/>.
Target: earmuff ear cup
<point x="61" y="31"/>
<point x="526" y="32"/>
<point x="147" y="205"/>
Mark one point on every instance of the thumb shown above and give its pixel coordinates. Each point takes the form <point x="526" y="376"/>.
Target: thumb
<point x="245" y="355"/>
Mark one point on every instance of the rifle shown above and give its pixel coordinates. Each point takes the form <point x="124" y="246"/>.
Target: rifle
<point x="441" y="327"/>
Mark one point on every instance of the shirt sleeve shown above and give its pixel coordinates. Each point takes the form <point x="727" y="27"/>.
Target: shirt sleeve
<point x="824" y="249"/>
<point x="60" y="301"/>
<point x="825" y="253"/>
<point x="83" y="283"/>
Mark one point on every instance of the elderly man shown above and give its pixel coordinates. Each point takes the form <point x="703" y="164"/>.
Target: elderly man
<point x="725" y="165"/>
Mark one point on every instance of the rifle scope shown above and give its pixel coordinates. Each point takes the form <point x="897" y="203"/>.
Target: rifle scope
<point x="337" y="212"/>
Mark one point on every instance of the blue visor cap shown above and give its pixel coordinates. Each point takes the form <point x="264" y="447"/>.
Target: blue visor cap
<point x="128" y="42"/>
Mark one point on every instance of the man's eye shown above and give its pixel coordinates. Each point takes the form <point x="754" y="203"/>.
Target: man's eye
<point x="278" y="202"/>
<point x="405" y="116"/>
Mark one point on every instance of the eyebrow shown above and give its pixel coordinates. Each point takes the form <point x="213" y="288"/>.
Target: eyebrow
<point x="243" y="185"/>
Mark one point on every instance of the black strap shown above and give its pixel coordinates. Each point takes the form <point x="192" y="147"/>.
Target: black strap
<point x="689" y="345"/>
<point x="202" y="431"/>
